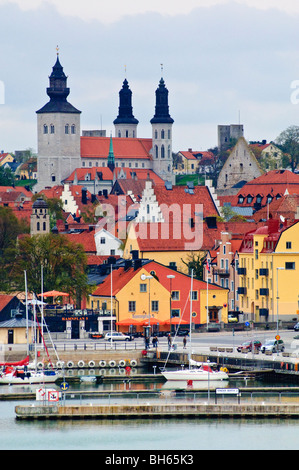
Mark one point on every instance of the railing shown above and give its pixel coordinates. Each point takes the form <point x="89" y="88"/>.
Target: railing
<point x="97" y="346"/>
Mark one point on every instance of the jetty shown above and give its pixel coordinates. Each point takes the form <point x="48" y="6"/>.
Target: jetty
<point x="157" y="411"/>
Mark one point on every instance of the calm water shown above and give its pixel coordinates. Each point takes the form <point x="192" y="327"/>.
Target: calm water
<point x="174" y="434"/>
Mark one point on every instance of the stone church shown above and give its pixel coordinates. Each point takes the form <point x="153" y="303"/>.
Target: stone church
<point x="62" y="149"/>
<point x="240" y="167"/>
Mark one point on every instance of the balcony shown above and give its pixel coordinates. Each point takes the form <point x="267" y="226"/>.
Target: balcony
<point x="264" y="291"/>
<point x="264" y="312"/>
<point x="264" y="272"/>
<point x="222" y="272"/>
<point x="242" y="271"/>
<point x="242" y="290"/>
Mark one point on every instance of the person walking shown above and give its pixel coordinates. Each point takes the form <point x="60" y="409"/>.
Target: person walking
<point x="169" y="342"/>
<point x="184" y="342"/>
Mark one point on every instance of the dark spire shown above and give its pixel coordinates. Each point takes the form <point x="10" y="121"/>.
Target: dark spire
<point x="125" y="110"/>
<point x="111" y="161"/>
<point x="58" y="92"/>
<point x="162" y="109"/>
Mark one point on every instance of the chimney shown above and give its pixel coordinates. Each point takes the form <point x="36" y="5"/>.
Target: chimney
<point x="84" y="196"/>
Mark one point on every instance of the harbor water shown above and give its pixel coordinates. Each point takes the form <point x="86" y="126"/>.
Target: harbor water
<point x="142" y="434"/>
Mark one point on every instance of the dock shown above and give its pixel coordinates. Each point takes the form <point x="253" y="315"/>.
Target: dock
<point x="156" y="411"/>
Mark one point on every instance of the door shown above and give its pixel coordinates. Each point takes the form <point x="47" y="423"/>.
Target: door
<point x="10" y="337"/>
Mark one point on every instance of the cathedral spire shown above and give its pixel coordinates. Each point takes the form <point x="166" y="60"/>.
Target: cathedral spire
<point x="162" y="109"/>
<point x="111" y="160"/>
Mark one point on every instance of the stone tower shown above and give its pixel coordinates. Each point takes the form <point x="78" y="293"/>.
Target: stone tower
<point x="58" y="130"/>
<point x="125" y="124"/>
<point x="162" y="135"/>
<point x="40" y="219"/>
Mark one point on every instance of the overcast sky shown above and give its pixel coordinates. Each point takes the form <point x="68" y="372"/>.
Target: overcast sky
<point x="222" y="61"/>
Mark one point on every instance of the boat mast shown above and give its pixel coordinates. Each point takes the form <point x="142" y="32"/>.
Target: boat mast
<point x="191" y="293"/>
<point x="26" y="298"/>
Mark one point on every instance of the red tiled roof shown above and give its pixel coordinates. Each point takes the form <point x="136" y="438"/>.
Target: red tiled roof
<point x="4" y="300"/>
<point x="94" y="172"/>
<point x="86" y="239"/>
<point x="178" y="196"/>
<point x="98" y="147"/>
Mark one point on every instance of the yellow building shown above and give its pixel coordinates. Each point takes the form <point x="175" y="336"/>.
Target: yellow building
<point x="152" y="292"/>
<point x="269" y="272"/>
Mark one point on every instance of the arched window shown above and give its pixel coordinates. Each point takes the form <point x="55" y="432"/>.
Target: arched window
<point x="45" y="129"/>
<point x="156" y="134"/>
<point x="38" y="226"/>
<point x="156" y="151"/>
<point x="67" y="129"/>
<point x="44" y="226"/>
<point x="162" y="134"/>
<point x="162" y="151"/>
<point x="169" y="134"/>
<point x="73" y="129"/>
<point x="52" y="129"/>
<point x="168" y="151"/>
<point x="119" y="134"/>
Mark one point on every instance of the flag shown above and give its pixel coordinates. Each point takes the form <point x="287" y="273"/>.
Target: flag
<point x="208" y="265"/>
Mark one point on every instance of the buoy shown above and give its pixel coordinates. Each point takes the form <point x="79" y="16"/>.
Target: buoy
<point x="112" y="363"/>
<point x="81" y="363"/>
<point x="70" y="364"/>
<point x="91" y="363"/>
<point x="40" y="365"/>
<point x="133" y="362"/>
<point x="59" y="364"/>
<point x="102" y="363"/>
<point x="122" y="363"/>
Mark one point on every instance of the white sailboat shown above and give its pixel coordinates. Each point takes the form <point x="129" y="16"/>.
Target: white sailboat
<point x="197" y="371"/>
<point x="20" y="372"/>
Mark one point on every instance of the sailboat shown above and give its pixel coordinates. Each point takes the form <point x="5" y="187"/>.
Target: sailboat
<point x="15" y="373"/>
<point x="197" y="371"/>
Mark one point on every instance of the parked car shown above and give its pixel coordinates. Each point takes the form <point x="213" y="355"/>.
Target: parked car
<point x="247" y="346"/>
<point x="232" y="319"/>
<point x="273" y="345"/>
<point x="296" y="327"/>
<point x="115" y="336"/>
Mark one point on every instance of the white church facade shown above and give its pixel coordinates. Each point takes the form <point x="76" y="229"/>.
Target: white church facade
<point x="62" y="149"/>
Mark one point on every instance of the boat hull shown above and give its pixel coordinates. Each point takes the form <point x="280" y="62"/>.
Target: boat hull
<point x="38" y="378"/>
<point x="194" y="374"/>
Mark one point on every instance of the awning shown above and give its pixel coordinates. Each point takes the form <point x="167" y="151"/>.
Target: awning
<point x="53" y="293"/>
<point x="128" y="321"/>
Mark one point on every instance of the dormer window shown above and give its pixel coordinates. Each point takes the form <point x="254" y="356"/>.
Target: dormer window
<point x="249" y="199"/>
<point x="240" y="200"/>
<point x="259" y="199"/>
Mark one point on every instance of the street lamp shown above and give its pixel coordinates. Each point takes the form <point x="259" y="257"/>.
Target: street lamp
<point x="277" y="298"/>
<point x="170" y="276"/>
<point x="143" y="277"/>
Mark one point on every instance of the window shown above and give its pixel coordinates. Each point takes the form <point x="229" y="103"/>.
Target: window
<point x="224" y="249"/>
<point x="112" y="252"/>
<point x="290" y="265"/>
<point x="155" y="305"/>
<point x="175" y="312"/>
<point x="38" y="226"/>
<point x="53" y="177"/>
<point x="103" y="240"/>
<point x="162" y="134"/>
<point x="45" y="129"/>
<point x="288" y="245"/>
<point x="132" y="306"/>
<point x="194" y="295"/>
<point x="52" y="129"/>
<point x="73" y="129"/>
<point x="256" y="254"/>
<point x="162" y="151"/>
<point x="143" y="287"/>
<point x="66" y="129"/>
<point x="175" y="295"/>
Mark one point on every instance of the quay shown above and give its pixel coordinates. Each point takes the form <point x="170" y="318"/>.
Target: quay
<point x="156" y="411"/>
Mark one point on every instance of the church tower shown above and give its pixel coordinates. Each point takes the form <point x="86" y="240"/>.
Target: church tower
<point x="125" y="123"/>
<point x="162" y="135"/>
<point x="58" y="130"/>
<point x="40" y="218"/>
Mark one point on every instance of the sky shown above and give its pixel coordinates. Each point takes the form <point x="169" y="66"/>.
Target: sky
<point x="224" y="62"/>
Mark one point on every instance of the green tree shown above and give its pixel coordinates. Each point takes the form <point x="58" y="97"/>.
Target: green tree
<point x="64" y="266"/>
<point x="196" y="262"/>
<point x="288" y="142"/>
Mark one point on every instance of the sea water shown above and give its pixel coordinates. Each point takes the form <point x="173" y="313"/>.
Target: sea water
<point x="173" y="434"/>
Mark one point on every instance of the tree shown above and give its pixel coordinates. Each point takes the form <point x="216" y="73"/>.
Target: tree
<point x="64" y="266"/>
<point x="288" y="142"/>
<point x="197" y="263"/>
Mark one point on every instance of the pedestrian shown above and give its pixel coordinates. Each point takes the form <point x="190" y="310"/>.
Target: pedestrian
<point x="169" y="342"/>
<point x="184" y="342"/>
